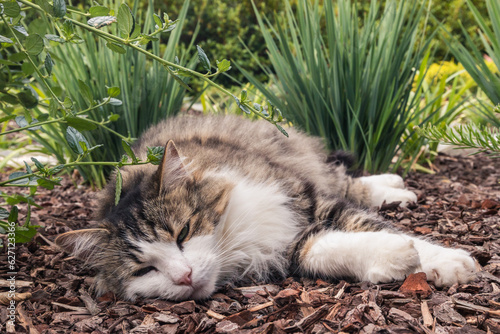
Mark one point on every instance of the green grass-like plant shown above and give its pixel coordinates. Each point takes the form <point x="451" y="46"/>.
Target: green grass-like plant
<point x="149" y="94"/>
<point x="473" y="60"/>
<point x="354" y="86"/>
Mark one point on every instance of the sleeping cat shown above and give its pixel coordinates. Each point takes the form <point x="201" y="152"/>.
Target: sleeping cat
<point x="234" y="198"/>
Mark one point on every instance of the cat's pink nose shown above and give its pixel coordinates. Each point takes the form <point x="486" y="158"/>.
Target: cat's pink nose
<point x="185" y="279"/>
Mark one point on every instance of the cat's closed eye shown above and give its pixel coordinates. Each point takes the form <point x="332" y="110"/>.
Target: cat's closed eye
<point x="183" y="234"/>
<point x="144" y="271"/>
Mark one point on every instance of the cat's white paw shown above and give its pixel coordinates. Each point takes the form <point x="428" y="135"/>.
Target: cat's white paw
<point x="449" y="266"/>
<point x="388" y="188"/>
<point x="394" y="261"/>
<point x="381" y="194"/>
<point x="385" y="180"/>
<point x="445" y="266"/>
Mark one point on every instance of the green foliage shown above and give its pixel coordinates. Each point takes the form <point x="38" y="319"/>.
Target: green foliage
<point x="148" y="92"/>
<point x="487" y="78"/>
<point x="471" y="57"/>
<point x="225" y="23"/>
<point x="440" y="92"/>
<point x="458" y="21"/>
<point x="465" y="136"/>
<point x="354" y="86"/>
<point x="64" y="113"/>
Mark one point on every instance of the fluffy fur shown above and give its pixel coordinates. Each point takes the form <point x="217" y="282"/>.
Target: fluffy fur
<point x="234" y="199"/>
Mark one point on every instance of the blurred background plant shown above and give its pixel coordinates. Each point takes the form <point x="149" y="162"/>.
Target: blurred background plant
<point x="148" y="92"/>
<point x="353" y="84"/>
<point x="442" y="94"/>
<point x="482" y="135"/>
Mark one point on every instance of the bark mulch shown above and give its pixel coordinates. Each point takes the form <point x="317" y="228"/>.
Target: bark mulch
<point x="458" y="206"/>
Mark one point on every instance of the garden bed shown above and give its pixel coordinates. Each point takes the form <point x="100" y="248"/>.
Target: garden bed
<point x="458" y="206"/>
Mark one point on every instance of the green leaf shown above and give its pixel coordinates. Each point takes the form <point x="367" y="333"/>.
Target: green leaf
<point x="79" y="123"/>
<point x="21" y="30"/>
<point x="170" y="26"/>
<point x="145" y="39"/>
<point x="47" y="184"/>
<point x="11" y="9"/>
<point x="155" y="154"/>
<point x="7" y="118"/>
<point x="7" y="62"/>
<point x="44" y="4"/>
<point x="98" y="11"/>
<point x="7" y="98"/>
<point x="68" y="29"/>
<point x="27" y="99"/>
<point x="38" y="164"/>
<point x="27" y="68"/>
<point x="281" y="129"/>
<point x="115" y="102"/>
<point x="34" y="44"/>
<point x="113" y="91"/>
<point x="23" y="181"/>
<point x="59" y="8"/>
<point x="128" y="150"/>
<point x="243" y="95"/>
<point x="86" y="92"/>
<point x="223" y="66"/>
<point x="55" y="170"/>
<point x="205" y="62"/>
<point x="4" y="39"/>
<point x="101" y="21"/>
<point x="49" y="63"/>
<point x="126" y="22"/>
<point x="113" y="117"/>
<point x="25" y="233"/>
<point x="55" y="38"/>
<point x="18" y="198"/>
<point x="28" y="168"/>
<point x="159" y="21"/>
<point x="14" y="213"/>
<point x="17" y="57"/>
<point x="243" y="107"/>
<point x="43" y="117"/>
<point x="4" y="213"/>
<point x="115" y="48"/>
<point x="22" y="122"/>
<point x="68" y="104"/>
<point x="74" y="138"/>
<point x="118" y="188"/>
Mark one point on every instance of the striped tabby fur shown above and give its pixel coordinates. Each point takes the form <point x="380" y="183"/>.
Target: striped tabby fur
<point x="234" y="198"/>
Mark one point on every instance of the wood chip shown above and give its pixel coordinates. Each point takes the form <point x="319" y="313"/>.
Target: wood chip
<point x="215" y="315"/>
<point x="5" y="297"/>
<point x="416" y="284"/>
<point x="80" y="310"/>
<point x="306" y="322"/>
<point x="426" y="314"/>
<point x="19" y="284"/>
<point x="260" y="307"/>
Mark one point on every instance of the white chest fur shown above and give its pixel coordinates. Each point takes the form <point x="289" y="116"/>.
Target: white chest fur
<point x="255" y="230"/>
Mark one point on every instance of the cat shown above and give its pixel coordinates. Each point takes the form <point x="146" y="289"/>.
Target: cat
<point x="234" y="198"/>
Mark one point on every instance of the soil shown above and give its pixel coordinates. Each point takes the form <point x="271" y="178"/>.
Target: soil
<point x="458" y="207"/>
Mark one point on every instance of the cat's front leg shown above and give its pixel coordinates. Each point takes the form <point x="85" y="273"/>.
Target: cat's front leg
<point x="378" y="257"/>
<point x="382" y="256"/>
<point x="444" y="266"/>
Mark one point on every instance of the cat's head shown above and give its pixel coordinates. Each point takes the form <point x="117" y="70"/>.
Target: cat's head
<point x="159" y="240"/>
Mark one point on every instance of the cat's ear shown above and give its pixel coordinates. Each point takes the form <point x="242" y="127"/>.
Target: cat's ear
<point x="171" y="168"/>
<point x="83" y="243"/>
